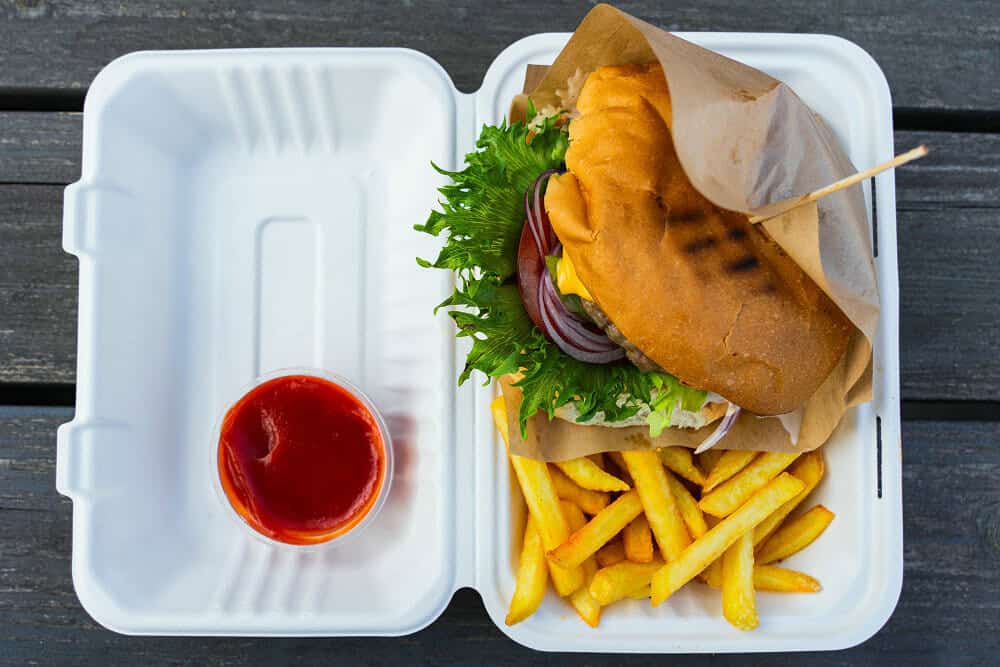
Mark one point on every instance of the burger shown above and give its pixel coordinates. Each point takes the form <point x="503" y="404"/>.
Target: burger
<point x="590" y="268"/>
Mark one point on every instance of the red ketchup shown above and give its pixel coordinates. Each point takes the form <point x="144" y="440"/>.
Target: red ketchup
<point x="301" y="459"/>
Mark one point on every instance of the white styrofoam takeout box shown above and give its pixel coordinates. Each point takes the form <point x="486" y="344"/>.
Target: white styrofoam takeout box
<point x="246" y="211"/>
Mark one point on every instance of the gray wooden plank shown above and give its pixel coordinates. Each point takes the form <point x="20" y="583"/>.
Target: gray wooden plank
<point x="949" y="237"/>
<point x="946" y="615"/>
<point x="949" y="205"/>
<point x="37" y="287"/>
<point x="40" y="147"/>
<point x="936" y="55"/>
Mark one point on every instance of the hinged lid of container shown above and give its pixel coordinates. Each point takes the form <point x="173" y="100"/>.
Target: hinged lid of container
<point x="242" y="212"/>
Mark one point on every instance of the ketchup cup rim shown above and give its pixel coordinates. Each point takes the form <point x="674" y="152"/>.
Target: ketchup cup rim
<point x="353" y="390"/>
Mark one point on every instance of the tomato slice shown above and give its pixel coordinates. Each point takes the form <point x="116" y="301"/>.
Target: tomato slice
<point x="529" y="272"/>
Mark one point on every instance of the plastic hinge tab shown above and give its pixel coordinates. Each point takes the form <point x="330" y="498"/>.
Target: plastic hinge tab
<point x="85" y="203"/>
<point x="76" y="474"/>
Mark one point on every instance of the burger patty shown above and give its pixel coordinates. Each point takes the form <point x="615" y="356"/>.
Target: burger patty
<point x="634" y="354"/>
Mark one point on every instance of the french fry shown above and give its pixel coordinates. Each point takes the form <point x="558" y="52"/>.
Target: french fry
<point x="640" y="594"/>
<point x="591" y="502"/>
<point x="770" y="578"/>
<point x="543" y="504"/>
<point x="658" y="502"/>
<point x="582" y="601"/>
<point x="616" y="582"/>
<point x="727" y="497"/>
<point x="782" y="580"/>
<point x="638" y="541"/>
<point x="609" y="522"/>
<point x="619" y="463"/>
<point x="681" y="461"/>
<point x="713" y="544"/>
<point x="688" y="506"/>
<point x="611" y="553"/>
<point x="598" y="458"/>
<point x="795" y="535"/>
<point x="586" y="606"/>
<point x="532" y="574"/>
<point x="809" y="469"/>
<point x="589" y="475"/>
<point x="712" y="575"/>
<point x="708" y="458"/>
<point x="738" y="603"/>
<point x="574" y="516"/>
<point x="499" y="411"/>
<point x="732" y="461"/>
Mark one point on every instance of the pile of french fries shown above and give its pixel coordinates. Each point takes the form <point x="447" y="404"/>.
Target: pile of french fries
<point x="648" y="535"/>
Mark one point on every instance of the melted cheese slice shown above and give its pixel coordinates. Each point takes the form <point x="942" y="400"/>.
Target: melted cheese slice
<point x="567" y="281"/>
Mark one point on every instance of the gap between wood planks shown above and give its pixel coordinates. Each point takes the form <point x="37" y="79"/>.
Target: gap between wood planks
<point x="904" y="118"/>
<point x="30" y="394"/>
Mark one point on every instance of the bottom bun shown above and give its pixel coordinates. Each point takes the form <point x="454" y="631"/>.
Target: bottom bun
<point x="679" y="418"/>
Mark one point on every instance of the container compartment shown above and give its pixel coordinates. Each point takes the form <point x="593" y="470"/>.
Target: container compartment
<point x="239" y="215"/>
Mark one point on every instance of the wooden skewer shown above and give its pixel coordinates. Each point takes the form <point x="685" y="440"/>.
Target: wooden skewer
<point x="901" y="159"/>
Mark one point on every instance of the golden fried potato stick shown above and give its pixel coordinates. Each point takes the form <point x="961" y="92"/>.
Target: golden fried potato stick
<point x="712" y="573"/>
<point x="681" y="461"/>
<point x="586" y="606"/>
<point x="638" y="541"/>
<point x="543" y="504"/>
<point x="591" y="502"/>
<point x="619" y="463"/>
<point x="574" y="515"/>
<point x="795" y="535"/>
<point x="599" y="530"/>
<point x="640" y="593"/>
<point x="782" y="580"/>
<point x="713" y="544"/>
<point x="611" y="553"/>
<point x="809" y="469"/>
<point x="738" y="601"/>
<point x="658" y="502"/>
<point x="532" y="575"/>
<point x="708" y="459"/>
<point x="732" y="461"/>
<point x="688" y="506"/>
<point x="589" y="475"/>
<point x="772" y="579"/>
<point x="732" y="493"/>
<point x="618" y="581"/>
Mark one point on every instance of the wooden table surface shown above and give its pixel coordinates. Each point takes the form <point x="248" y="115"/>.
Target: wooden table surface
<point x="942" y="61"/>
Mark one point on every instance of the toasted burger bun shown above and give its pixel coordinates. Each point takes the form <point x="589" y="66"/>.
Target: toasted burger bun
<point x="699" y="290"/>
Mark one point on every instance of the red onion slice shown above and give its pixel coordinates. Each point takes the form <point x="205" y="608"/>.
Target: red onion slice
<point x="725" y="425"/>
<point x="571" y="334"/>
<point x="533" y="223"/>
<point x="539" y="210"/>
<point x="572" y="325"/>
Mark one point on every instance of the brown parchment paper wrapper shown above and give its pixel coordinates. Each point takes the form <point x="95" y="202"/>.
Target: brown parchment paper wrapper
<point x="747" y="142"/>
